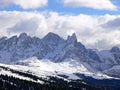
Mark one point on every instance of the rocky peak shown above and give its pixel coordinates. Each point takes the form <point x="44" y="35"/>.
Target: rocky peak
<point x="115" y="49"/>
<point x="52" y="37"/>
<point x="23" y="35"/>
<point x="24" y="40"/>
<point x="72" y="39"/>
<point x="51" y="47"/>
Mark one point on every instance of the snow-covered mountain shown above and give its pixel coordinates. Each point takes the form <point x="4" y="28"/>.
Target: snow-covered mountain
<point x="50" y="47"/>
<point x="18" y="49"/>
<point x="53" y="62"/>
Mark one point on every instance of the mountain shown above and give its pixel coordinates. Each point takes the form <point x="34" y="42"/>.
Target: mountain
<point x="56" y="49"/>
<point x="54" y="56"/>
<point x="50" y="47"/>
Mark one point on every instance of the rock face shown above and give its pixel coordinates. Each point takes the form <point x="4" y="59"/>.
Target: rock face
<point x="50" y="47"/>
<point x="56" y="49"/>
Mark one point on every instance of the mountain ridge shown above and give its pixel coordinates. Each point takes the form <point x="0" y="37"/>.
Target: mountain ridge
<point x="56" y="49"/>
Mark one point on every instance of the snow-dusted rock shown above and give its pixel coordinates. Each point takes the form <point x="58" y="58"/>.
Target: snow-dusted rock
<point x="57" y="50"/>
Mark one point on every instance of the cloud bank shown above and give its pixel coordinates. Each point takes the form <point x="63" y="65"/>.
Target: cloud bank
<point x="101" y="32"/>
<point x="95" y="4"/>
<point x="25" y="4"/>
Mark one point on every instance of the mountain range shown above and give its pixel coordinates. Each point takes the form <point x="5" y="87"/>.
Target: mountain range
<point x="55" y="56"/>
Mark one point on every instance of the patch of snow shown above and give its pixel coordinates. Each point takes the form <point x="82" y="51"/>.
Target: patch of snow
<point x="46" y="68"/>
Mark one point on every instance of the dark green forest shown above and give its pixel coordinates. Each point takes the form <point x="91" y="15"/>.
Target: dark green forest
<point x="12" y="83"/>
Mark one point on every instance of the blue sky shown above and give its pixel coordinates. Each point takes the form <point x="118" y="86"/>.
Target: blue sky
<point x="58" y="6"/>
<point x="95" y="22"/>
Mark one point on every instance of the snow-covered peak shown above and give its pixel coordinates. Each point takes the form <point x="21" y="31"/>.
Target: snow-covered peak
<point x="51" y="47"/>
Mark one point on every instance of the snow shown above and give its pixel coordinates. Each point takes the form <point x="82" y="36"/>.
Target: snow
<point x="44" y="68"/>
<point x="3" y="72"/>
<point x="9" y="73"/>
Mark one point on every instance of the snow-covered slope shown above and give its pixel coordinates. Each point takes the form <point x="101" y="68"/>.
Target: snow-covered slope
<point x="44" y="68"/>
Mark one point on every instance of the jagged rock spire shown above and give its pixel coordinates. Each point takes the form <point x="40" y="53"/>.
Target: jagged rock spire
<point x="72" y="39"/>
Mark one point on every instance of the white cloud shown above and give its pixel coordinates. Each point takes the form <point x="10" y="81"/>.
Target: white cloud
<point x="27" y="25"/>
<point x="25" y="4"/>
<point x="89" y="29"/>
<point x="17" y="22"/>
<point x="4" y="3"/>
<point x="95" y="4"/>
<point x="112" y="24"/>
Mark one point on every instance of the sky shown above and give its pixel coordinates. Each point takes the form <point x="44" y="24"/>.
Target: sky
<point x="95" y="22"/>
